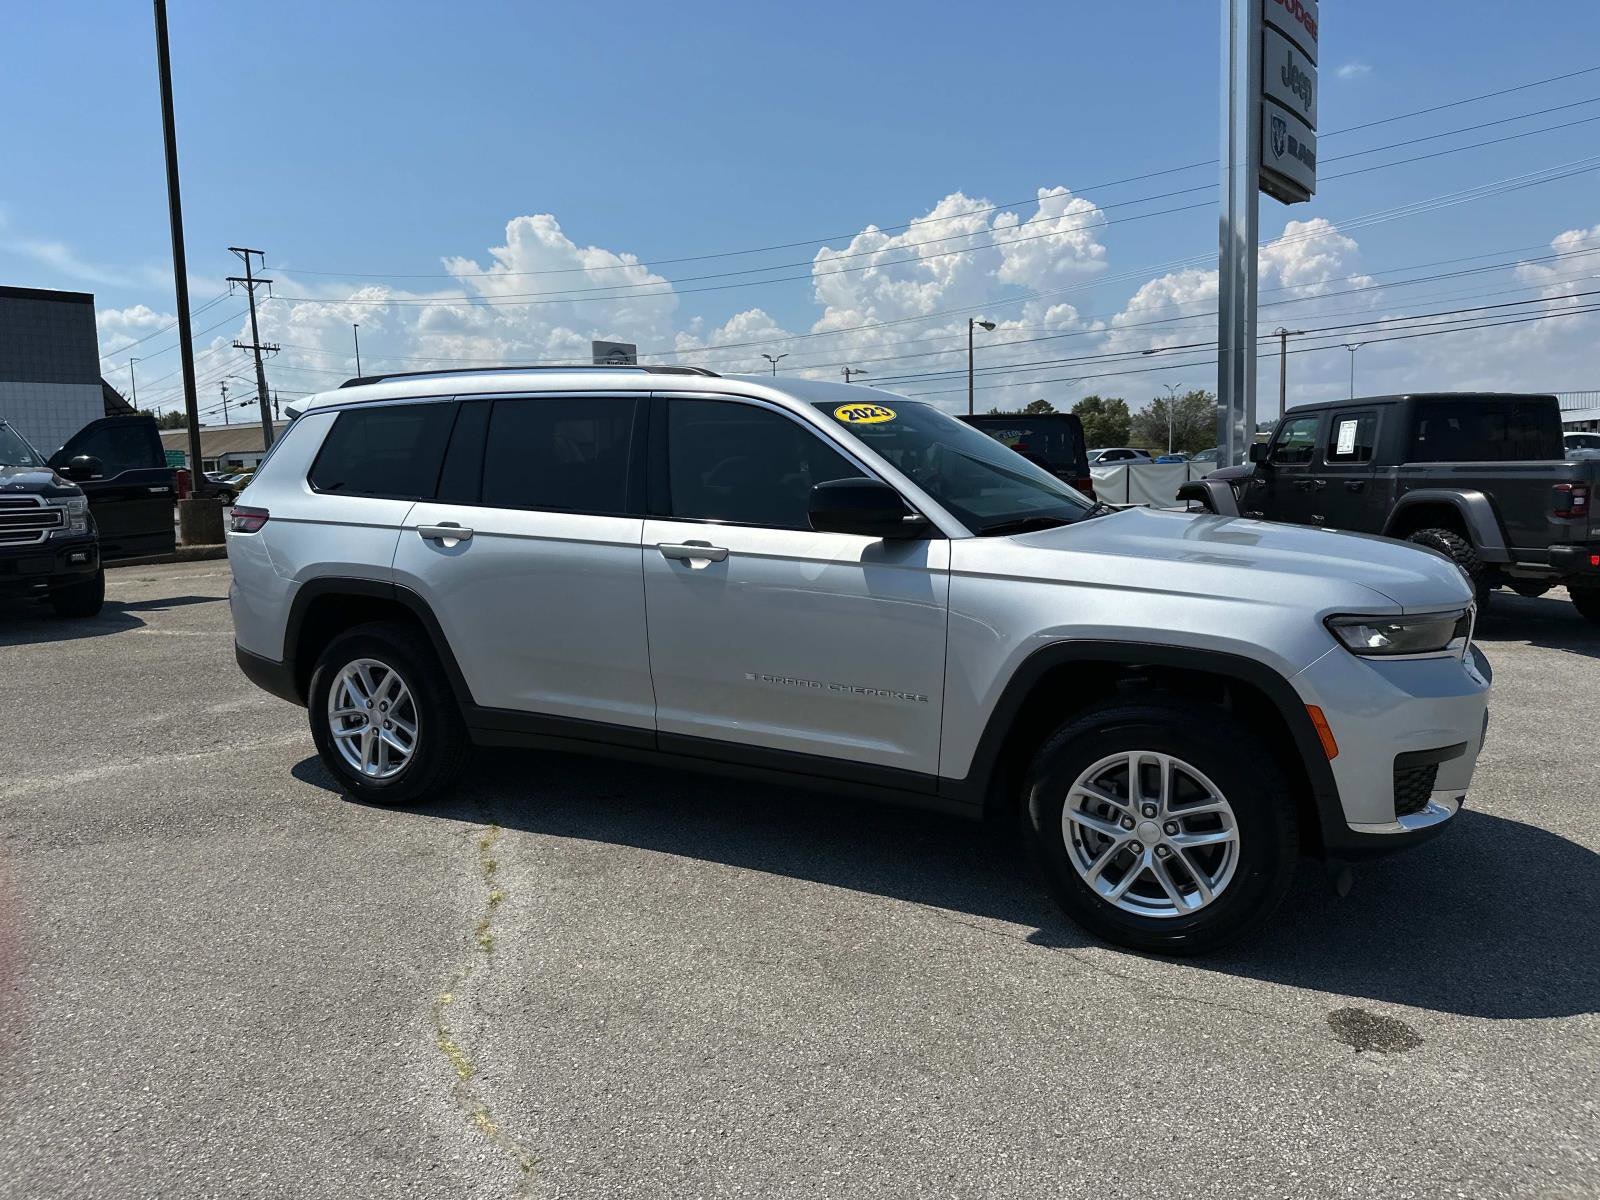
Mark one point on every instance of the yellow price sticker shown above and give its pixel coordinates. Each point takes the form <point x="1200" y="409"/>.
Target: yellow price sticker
<point x="863" y="414"/>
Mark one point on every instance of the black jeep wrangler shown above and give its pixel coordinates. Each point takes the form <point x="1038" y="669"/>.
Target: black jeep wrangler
<point x="1481" y="478"/>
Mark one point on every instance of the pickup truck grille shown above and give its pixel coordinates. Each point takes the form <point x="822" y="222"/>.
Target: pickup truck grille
<point x="1412" y="788"/>
<point x="27" y="520"/>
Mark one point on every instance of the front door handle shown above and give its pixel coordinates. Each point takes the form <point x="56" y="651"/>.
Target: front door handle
<point x="1319" y="484"/>
<point x="692" y="550"/>
<point x="1354" y="485"/>
<point x="446" y="531"/>
<point x="1303" y="484"/>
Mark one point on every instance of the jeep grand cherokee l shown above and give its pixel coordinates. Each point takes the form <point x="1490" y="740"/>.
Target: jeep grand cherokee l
<point x="818" y="583"/>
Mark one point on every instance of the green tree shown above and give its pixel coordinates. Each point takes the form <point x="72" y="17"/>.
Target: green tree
<point x="171" y="420"/>
<point x="1105" y="421"/>
<point x="1039" y="407"/>
<point x="1191" y="421"/>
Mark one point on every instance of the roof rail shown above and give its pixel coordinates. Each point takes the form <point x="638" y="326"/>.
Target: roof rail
<point x="360" y="380"/>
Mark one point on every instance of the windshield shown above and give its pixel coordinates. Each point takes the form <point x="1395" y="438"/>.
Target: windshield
<point x="14" y="452"/>
<point x="988" y="487"/>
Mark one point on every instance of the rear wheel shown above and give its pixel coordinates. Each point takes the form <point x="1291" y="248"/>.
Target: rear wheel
<point x="384" y="717"/>
<point x="1586" y="599"/>
<point x="81" y="599"/>
<point x="1456" y="548"/>
<point x="1162" y="826"/>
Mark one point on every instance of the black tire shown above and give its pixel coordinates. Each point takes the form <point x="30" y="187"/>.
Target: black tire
<point x="1456" y="548"/>
<point x="1586" y="599"/>
<point x="1241" y="766"/>
<point x="81" y="599"/>
<point x="441" y="740"/>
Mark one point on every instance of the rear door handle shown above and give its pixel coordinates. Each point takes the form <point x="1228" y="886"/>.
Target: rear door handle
<point x="447" y="531"/>
<point x="1303" y="484"/>
<point x="692" y="550"/>
<point x="1354" y="485"/>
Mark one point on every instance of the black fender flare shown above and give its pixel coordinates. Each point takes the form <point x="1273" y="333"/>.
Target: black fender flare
<point x="377" y="589"/>
<point x="1475" y="509"/>
<point x="975" y="787"/>
<point x="1216" y="494"/>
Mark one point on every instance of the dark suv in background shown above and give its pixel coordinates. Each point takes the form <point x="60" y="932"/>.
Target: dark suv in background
<point x="1053" y="441"/>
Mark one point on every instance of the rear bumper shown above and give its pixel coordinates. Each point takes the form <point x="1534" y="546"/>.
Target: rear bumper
<point x="1576" y="558"/>
<point x="25" y="568"/>
<point x="268" y="675"/>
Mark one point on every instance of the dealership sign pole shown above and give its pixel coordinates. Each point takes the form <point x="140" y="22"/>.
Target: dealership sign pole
<point x="1269" y="118"/>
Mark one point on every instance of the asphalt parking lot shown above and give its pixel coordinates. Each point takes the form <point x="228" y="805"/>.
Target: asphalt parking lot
<point x="218" y="977"/>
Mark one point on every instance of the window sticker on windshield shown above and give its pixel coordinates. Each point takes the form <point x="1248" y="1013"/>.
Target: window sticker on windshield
<point x="863" y="414"/>
<point x="1347" y="437"/>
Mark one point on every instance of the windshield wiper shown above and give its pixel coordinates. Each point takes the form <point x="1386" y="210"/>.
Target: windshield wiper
<point x="1022" y="525"/>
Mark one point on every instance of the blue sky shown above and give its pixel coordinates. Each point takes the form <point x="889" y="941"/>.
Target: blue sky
<point x="388" y="138"/>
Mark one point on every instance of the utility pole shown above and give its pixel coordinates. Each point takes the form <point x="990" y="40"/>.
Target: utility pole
<point x="989" y="327"/>
<point x="355" y="331"/>
<point x="133" y="382"/>
<point x="1283" y="335"/>
<point x="849" y="371"/>
<point x="275" y="414"/>
<point x="774" y="361"/>
<point x="250" y="281"/>
<point x="226" y="420"/>
<point x="180" y="268"/>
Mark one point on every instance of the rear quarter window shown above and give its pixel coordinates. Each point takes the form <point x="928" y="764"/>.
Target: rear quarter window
<point x="1474" y="431"/>
<point x="393" y="451"/>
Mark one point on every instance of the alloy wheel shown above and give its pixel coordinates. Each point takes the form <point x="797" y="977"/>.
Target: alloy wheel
<point x="372" y="719"/>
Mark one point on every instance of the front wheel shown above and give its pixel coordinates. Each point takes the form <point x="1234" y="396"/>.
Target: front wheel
<point x="1459" y="551"/>
<point x="81" y="599"/>
<point x="384" y="717"/>
<point x="1162" y="826"/>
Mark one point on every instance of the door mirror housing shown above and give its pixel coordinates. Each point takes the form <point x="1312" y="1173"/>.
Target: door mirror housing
<point x="865" y="507"/>
<point x="1259" y="452"/>
<point x="84" y="466"/>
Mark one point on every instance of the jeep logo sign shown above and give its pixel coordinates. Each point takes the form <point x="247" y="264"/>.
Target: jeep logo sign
<point x="1288" y="76"/>
<point x="1289" y="99"/>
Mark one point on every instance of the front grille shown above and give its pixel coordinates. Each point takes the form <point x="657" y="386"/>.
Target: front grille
<point x="1412" y="788"/>
<point x="26" y="520"/>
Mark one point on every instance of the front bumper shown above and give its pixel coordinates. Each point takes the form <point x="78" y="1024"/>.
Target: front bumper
<point x="60" y="560"/>
<point x="1388" y="717"/>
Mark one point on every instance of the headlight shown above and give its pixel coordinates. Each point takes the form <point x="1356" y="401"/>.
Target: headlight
<point x="1425" y="633"/>
<point x="77" y="514"/>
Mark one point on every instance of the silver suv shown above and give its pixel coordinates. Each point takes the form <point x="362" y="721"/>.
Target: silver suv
<point x="831" y="585"/>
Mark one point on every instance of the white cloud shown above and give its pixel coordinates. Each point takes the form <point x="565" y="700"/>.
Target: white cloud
<point x="1354" y="70"/>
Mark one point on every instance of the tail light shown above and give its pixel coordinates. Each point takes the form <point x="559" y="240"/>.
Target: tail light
<point x="1085" y="484"/>
<point x="246" y="520"/>
<point x="1570" y="500"/>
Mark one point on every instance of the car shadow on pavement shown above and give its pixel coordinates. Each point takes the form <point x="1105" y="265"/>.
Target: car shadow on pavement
<point x="28" y="622"/>
<point x="1546" y="621"/>
<point x="1495" y="919"/>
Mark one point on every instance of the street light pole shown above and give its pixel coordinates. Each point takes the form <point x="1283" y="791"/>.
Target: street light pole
<point x="1283" y="335"/>
<point x="988" y="327"/>
<point x="1172" y="403"/>
<point x="849" y="371"/>
<point x="1353" y="347"/>
<point x="133" y="383"/>
<point x="774" y="361"/>
<point x="355" y="331"/>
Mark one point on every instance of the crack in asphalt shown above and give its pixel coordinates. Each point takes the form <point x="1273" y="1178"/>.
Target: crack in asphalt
<point x="447" y="1038"/>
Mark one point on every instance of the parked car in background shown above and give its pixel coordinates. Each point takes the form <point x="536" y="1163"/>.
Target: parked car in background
<point x="802" y="580"/>
<point x="1053" y="441"/>
<point x="1480" y="478"/>
<point x="1175" y="456"/>
<point x="1111" y="455"/>
<point x="1581" y="445"/>
<point x="1213" y="456"/>
<point x="121" y="467"/>
<point x="227" y="488"/>
<point x="48" y="544"/>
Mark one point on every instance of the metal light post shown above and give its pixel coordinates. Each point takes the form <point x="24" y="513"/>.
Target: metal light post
<point x="849" y="371"/>
<point x="988" y="327"/>
<point x="1238" y="226"/>
<point x="1172" y="403"/>
<point x="1353" y="347"/>
<point x="773" y="359"/>
<point x="1283" y="335"/>
<point x="355" y="331"/>
<point x="133" y="383"/>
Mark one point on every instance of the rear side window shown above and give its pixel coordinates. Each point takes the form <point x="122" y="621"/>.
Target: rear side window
<point x="1351" y="437"/>
<point x="563" y="454"/>
<point x="393" y="451"/>
<point x="1495" y="431"/>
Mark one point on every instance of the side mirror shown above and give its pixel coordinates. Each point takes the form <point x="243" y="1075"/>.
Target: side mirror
<point x="866" y="507"/>
<point x="84" y="466"/>
<point x="1258" y="452"/>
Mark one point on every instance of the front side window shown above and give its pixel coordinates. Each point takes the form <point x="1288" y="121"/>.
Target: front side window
<point x="987" y="487"/>
<point x="15" y="451"/>
<point x="746" y="465"/>
<point x="1296" y="442"/>
<point x="562" y="454"/>
<point x="1351" y="437"/>
<point x="130" y="446"/>
<point x="391" y="451"/>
